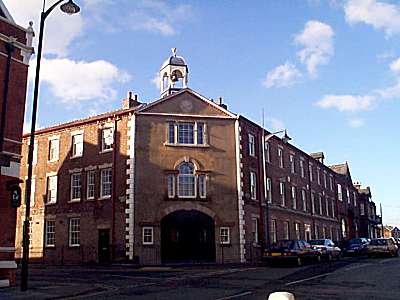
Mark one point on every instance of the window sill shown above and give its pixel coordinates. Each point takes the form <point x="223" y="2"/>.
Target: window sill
<point x="52" y="161"/>
<point x="50" y="246"/>
<point x="148" y="245"/>
<point x="104" y="198"/>
<point x="187" y="145"/>
<point x="74" y="201"/>
<point x="50" y="203"/>
<point x="90" y="199"/>
<point x="106" y="151"/>
<point x="74" y="246"/>
<point x="77" y="156"/>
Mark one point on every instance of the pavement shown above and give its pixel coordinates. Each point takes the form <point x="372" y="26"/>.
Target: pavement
<point x="350" y="278"/>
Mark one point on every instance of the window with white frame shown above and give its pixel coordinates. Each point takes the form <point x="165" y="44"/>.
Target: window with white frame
<point x="280" y="157"/>
<point x="76" y="186"/>
<point x="74" y="232"/>
<point x="294" y="200"/>
<point x="77" y="145"/>
<point x="251" y="145"/>
<point x="253" y="185"/>
<point x="292" y="163"/>
<point x="148" y="235"/>
<point x="107" y="139"/>
<point x="33" y="191"/>
<point x="362" y="209"/>
<point x="35" y="153"/>
<point x="333" y="208"/>
<point x="90" y="184"/>
<point x="274" y="236"/>
<point x="282" y="193"/>
<point x="267" y="152"/>
<point x="320" y="204"/>
<point x="313" y="202"/>
<point x="344" y="228"/>
<point x="304" y="199"/>
<point x="225" y="235"/>
<point x="50" y="233"/>
<point x="297" y="230"/>
<point x="310" y="170"/>
<point x="319" y="176"/>
<point x="30" y="233"/>
<point x="269" y="190"/>
<point x="51" y="193"/>
<point x="187" y="133"/>
<point x="54" y="149"/>
<point x="286" y="230"/>
<point x="339" y="191"/>
<point x="325" y="181"/>
<point x="105" y="182"/>
<point x="307" y="232"/>
<point x="348" y="196"/>
<point x="202" y="186"/>
<point x="255" y="230"/>
<point x="171" y="185"/>
<point x="302" y="173"/>
<point x="186" y="180"/>
<point x="355" y="199"/>
<point x="327" y="206"/>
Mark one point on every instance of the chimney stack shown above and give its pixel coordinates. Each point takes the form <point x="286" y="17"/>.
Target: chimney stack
<point x="221" y="103"/>
<point x="131" y="101"/>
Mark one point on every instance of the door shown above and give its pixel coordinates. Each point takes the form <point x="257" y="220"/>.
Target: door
<point x="104" y="246"/>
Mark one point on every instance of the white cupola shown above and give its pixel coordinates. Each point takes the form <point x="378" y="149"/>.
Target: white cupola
<point x="173" y="74"/>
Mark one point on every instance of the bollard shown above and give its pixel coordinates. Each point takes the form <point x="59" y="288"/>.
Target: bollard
<point x="281" y="296"/>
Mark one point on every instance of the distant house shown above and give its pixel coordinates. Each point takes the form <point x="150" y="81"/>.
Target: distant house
<point x="396" y="232"/>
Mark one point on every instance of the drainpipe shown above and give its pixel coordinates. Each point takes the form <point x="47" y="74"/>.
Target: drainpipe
<point x="114" y="192"/>
<point x="9" y="48"/>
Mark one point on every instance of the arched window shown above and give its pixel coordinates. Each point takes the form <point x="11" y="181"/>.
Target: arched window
<point x="186" y="180"/>
<point x="344" y="229"/>
<point x="165" y="82"/>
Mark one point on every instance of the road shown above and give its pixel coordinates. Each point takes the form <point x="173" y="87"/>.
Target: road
<point x="350" y="278"/>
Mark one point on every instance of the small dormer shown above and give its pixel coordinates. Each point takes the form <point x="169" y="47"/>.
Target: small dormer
<point x="173" y="74"/>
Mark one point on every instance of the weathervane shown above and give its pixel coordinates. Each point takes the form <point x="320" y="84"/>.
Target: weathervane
<point x="173" y="51"/>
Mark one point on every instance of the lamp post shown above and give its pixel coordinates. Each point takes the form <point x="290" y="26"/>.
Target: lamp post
<point x="69" y="8"/>
<point x="265" y="139"/>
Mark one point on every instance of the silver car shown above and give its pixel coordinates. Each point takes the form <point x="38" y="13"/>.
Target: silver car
<point x="328" y="248"/>
<point x="382" y="246"/>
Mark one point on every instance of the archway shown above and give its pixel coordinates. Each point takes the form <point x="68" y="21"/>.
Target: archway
<point x="187" y="236"/>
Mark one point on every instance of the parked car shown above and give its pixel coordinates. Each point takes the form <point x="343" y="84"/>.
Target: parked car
<point x="328" y="248"/>
<point x="294" y="251"/>
<point x="382" y="246"/>
<point x="357" y="246"/>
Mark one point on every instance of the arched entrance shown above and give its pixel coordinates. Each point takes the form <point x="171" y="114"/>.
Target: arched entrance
<point x="187" y="236"/>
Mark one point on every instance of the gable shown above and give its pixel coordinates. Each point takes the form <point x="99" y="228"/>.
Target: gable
<point x="186" y="102"/>
<point x="5" y="13"/>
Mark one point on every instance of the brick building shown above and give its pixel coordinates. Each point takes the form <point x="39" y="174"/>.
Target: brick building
<point x="178" y="179"/>
<point x="16" y="50"/>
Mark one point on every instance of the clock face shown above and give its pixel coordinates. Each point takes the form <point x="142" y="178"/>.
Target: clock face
<point x="186" y="105"/>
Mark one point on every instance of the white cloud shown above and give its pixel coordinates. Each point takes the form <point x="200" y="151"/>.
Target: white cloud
<point x="356" y="123"/>
<point x="60" y="29"/>
<point x="283" y="75"/>
<point x="77" y="81"/>
<point x="395" y="65"/>
<point x="379" y="15"/>
<point x="317" y="42"/>
<point x="275" y="124"/>
<point x="348" y="103"/>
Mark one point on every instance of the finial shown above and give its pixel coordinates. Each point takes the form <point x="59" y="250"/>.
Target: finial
<point x="173" y="51"/>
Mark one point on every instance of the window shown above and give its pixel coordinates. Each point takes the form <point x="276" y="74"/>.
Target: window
<point x="362" y="209"/>
<point x="310" y="171"/>
<point x="282" y="193"/>
<point x="286" y="234"/>
<point x="90" y="185"/>
<point x="331" y="183"/>
<point x="105" y="183"/>
<point x="30" y="233"/>
<point x="49" y="238"/>
<point x="325" y="182"/>
<point x="51" y="194"/>
<point x="339" y="190"/>
<point x="348" y="196"/>
<point x="280" y="157"/>
<point x="302" y="173"/>
<point x="333" y="208"/>
<point x="355" y="199"/>
<point x="313" y="203"/>
<point x="200" y="133"/>
<point x="187" y="133"/>
<point x="148" y="235"/>
<point x="77" y="145"/>
<point x="318" y="176"/>
<point x="33" y="188"/>
<point x="251" y="145"/>
<point x="294" y="200"/>
<point x="107" y="139"/>
<point x="75" y="187"/>
<point x="35" y="152"/>
<point x="253" y="185"/>
<point x="344" y="229"/>
<point x="186" y="181"/>
<point x="74" y="232"/>
<point x="320" y="204"/>
<point x="292" y="164"/>
<point x="304" y="199"/>
<point x="171" y="133"/>
<point x="269" y="190"/>
<point x="324" y="232"/>
<point x="54" y="149"/>
<point x="255" y="230"/>
<point x="171" y="185"/>
<point x="307" y="232"/>
<point x="202" y="186"/>
<point x="267" y="152"/>
<point x="327" y="206"/>
<point x="274" y="236"/>
<point x="224" y="235"/>
<point x="297" y="230"/>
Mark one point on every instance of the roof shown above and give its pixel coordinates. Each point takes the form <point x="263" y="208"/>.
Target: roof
<point x="342" y="169"/>
<point x="174" y="60"/>
<point x="317" y="155"/>
<point x="5" y="13"/>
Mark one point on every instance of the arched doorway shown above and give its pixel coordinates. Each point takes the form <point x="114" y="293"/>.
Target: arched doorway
<point x="187" y="236"/>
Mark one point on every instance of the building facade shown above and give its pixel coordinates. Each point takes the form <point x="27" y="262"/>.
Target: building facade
<point x="180" y="179"/>
<point x="16" y="50"/>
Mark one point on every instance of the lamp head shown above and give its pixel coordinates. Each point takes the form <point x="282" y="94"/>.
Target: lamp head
<point x="70" y="8"/>
<point x="286" y="138"/>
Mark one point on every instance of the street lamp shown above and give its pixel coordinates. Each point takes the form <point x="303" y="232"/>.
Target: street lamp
<point x="265" y="139"/>
<point x="70" y="8"/>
